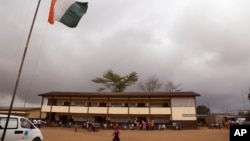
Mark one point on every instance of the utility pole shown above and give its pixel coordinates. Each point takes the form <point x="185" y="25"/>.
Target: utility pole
<point x="19" y="72"/>
<point x="249" y="94"/>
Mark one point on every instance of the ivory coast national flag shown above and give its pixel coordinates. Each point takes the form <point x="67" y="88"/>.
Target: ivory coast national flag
<point x="68" y="12"/>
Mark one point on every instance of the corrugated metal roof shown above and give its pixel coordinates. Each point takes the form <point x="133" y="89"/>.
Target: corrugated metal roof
<point x="122" y="94"/>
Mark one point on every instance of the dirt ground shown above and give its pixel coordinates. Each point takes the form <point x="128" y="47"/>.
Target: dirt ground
<point x="69" y="134"/>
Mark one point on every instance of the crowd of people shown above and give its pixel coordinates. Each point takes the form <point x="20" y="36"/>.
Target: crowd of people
<point x="95" y="126"/>
<point x="147" y="125"/>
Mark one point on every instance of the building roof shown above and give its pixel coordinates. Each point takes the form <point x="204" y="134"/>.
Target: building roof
<point x="19" y="108"/>
<point x="121" y="94"/>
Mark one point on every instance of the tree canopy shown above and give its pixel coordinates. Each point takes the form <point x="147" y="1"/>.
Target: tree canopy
<point x="202" y="110"/>
<point x="115" y="82"/>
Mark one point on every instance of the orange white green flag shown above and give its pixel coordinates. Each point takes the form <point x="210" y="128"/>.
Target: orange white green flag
<point x="68" y="12"/>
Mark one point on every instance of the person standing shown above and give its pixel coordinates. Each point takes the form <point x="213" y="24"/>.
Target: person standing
<point x="152" y="124"/>
<point x="116" y="134"/>
<point x="35" y="122"/>
<point x="89" y="126"/>
<point x="76" y="126"/>
<point x="163" y="126"/>
<point x="39" y="123"/>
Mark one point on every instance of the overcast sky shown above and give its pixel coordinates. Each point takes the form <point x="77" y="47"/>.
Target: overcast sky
<point x="204" y="45"/>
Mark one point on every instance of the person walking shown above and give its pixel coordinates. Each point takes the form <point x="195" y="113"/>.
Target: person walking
<point x="116" y="134"/>
<point x="76" y="126"/>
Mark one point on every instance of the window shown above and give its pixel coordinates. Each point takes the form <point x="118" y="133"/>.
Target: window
<point x="66" y="104"/>
<point x="116" y="105"/>
<point x="11" y="125"/>
<point x="126" y="105"/>
<point x="165" y="104"/>
<point x="141" y="105"/>
<point x="59" y="103"/>
<point x="159" y="104"/>
<point x="79" y="104"/>
<point x="94" y="104"/>
<point x="26" y="124"/>
<point x="103" y="104"/>
<point x="132" y="104"/>
<point x="155" y="104"/>
<point x="52" y="101"/>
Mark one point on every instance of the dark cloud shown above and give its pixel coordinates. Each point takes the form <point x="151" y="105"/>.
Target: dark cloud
<point x="201" y="44"/>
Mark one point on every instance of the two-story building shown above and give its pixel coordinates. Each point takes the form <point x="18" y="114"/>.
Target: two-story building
<point x="125" y="107"/>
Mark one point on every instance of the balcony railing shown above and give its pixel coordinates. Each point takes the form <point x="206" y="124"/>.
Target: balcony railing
<point x="138" y="111"/>
<point x="98" y="110"/>
<point x="60" y="109"/>
<point x="118" y="110"/>
<point x="78" y="109"/>
<point x="160" y="110"/>
<point x="109" y="110"/>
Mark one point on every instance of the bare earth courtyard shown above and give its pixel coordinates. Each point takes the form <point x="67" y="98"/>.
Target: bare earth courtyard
<point x="69" y="134"/>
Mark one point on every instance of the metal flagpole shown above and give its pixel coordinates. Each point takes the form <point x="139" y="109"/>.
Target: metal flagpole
<point x="20" y="70"/>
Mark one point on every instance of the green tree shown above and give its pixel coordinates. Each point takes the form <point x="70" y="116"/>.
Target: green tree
<point x="202" y="110"/>
<point x="114" y="82"/>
